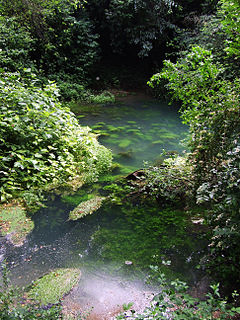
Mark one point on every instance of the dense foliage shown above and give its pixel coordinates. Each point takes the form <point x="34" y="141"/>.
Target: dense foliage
<point x="209" y="98"/>
<point x="42" y="144"/>
<point x="74" y="42"/>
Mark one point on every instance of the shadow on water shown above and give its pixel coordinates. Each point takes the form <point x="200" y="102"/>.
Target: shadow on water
<point x="102" y="243"/>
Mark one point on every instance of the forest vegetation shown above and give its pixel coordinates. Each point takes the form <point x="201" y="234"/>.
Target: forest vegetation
<point x="53" y="52"/>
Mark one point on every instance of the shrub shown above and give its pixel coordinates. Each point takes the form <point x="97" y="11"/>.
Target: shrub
<point x="170" y="182"/>
<point x="42" y="144"/>
<point x="15" y="45"/>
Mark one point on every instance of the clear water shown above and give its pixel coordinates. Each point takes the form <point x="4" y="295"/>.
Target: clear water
<point x="136" y="130"/>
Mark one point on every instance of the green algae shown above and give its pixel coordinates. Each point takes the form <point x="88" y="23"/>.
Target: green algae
<point x="156" y="234"/>
<point x="169" y="136"/>
<point x="133" y="131"/>
<point x="109" y="178"/>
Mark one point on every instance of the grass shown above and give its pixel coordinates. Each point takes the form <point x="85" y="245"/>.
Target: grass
<point x="13" y="221"/>
<point x="54" y="285"/>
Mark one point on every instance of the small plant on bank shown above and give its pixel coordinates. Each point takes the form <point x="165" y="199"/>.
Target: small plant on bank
<point x="174" y="302"/>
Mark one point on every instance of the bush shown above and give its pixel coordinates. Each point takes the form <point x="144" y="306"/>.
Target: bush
<point x="170" y="182"/>
<point x="15" y="45"/>
<point x="210" y="105"/>
<point x="42" y="144"/>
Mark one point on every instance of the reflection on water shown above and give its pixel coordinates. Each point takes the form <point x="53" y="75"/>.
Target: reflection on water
<point x="100" y="244"/>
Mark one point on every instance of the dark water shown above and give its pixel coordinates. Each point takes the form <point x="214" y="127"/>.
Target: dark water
<point x="136" y="130"/>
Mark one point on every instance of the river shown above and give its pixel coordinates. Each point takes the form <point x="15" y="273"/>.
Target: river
<point x="115" y="246"/>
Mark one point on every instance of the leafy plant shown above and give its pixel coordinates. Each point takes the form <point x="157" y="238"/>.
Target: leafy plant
<point x="42" y="144"/>
<point x="16" y="45"/>
<point x="170" y="181"/>
<point x="175" y="303"/>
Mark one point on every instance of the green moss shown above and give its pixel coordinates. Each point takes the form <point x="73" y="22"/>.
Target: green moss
<point x="77" y="198"/>
<point x="54" y="285"/>
<point x="109" y="178"/>
<point x="86" y="207"/>
<point x="13" y="221"/>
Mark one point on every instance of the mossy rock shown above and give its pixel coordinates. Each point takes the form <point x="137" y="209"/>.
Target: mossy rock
<point x="14" y="222"/>
<point x="54" y="285"/>
<point x="86" y="207"/>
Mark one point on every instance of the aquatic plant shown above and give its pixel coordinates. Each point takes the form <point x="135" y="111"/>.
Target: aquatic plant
<point x="78" y="197"/>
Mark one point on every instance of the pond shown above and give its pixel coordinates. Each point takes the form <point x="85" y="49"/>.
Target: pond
<point x="115" y="246"/>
